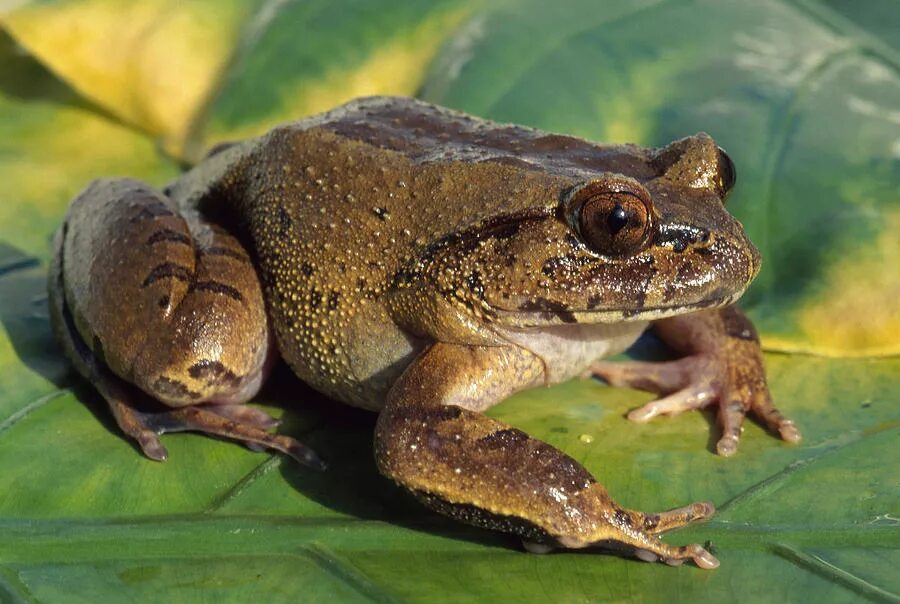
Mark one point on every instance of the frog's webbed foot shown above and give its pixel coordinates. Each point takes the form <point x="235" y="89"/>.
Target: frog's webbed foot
<point x="238" y="422"/>
<point x="724" y="367"/>
<point x="208" y="419"/>
<point x="478" y="470"/>
<point x="643" y="544"/>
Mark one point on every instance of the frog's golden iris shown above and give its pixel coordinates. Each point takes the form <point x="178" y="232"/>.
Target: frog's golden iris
<point x="615" y="216"/>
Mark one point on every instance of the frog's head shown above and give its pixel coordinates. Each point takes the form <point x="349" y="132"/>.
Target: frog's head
<point x="647" y="239"/>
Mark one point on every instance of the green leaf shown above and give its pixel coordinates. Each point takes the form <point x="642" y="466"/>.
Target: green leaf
<point x="802" y="93"/>
<point x="804" y="100"/>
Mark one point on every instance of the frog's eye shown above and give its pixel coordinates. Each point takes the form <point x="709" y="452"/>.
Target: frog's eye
<point x="615" y="217"/>
<point x="727" y="173"/>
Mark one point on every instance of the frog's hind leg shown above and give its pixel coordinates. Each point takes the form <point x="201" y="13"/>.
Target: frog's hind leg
<point x="432" y="440"/>
<point x="148" y="304"/>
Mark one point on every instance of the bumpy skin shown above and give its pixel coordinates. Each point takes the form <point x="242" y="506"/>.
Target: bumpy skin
<point x="425" y="264"/>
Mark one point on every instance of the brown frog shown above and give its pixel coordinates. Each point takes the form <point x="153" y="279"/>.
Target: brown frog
<point x="424" y="264"/>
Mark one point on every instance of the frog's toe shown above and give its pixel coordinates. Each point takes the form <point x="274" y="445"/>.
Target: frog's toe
<point x="244" y="414"/>
<point x="763" y="408"/>
<point x="135" y="424"/>
<point x="672" y="519"/>
<point x="677" y="555"/>
<point x="694" y="397"/>
<point x="152" y="446"/>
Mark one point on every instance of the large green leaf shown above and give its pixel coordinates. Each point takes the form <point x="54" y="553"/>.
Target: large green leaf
<point x="805" y="102"/>
<point x="803" y="94"/>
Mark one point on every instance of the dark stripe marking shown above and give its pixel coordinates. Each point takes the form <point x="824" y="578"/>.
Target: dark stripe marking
<point x="550" y="308"/>
<point x="168" y="235"/>
<point x="166" y="387"/>
<point x="213" y="373"/>
<point x="217" y="288"/>
<point x="166" y="270"/>
<point x="219" y="250"/>
<point x="508" y="437"/>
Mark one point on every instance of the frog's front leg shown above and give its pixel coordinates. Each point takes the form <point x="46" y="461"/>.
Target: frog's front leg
<point x="148" y="303"/>
<point x="432" y="440"/>
<point x="723" y="365"/>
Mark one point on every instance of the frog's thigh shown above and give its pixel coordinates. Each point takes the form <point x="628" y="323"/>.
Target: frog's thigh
<point x="140" y="295"/>
<point x="484" y="472"/>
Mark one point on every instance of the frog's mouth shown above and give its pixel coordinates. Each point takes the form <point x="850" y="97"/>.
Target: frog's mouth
<point x="556" y="315"/>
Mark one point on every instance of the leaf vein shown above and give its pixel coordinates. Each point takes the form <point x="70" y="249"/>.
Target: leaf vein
<point x="781" y="475"/>
<point x="243" y="484"/>
<point x="12" y="589"/>
<point x="330" y="562"/>
<point x="827" y="570"/>
<point x="28" y="409"/>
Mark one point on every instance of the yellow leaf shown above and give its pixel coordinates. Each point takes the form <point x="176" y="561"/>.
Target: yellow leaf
<point x="152" y="63"/>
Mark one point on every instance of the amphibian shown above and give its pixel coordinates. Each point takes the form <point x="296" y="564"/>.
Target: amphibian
<point x="424" y="264"/>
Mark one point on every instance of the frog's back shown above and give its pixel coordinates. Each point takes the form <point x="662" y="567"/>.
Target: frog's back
<point x="335" y="206"/>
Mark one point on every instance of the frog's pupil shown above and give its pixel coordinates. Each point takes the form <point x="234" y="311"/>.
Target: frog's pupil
<point x="617" y="219"/>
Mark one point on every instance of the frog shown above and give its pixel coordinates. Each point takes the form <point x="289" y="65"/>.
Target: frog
<point x="423" y="264"/>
